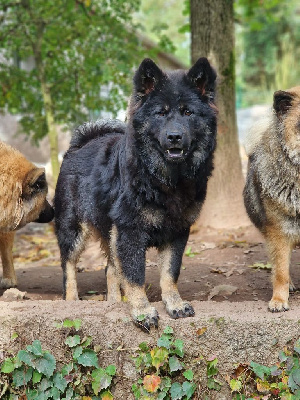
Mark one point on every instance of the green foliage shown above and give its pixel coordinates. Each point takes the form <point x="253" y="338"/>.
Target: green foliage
<point x="163" y="373"/>
<point x="97" y="51"/>
<point x="268" y="39"/>
<point x="33" y="373"/>
<point x="280" y="381"/>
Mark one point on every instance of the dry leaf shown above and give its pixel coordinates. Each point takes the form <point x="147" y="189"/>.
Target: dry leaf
<point x="223" y="290"/>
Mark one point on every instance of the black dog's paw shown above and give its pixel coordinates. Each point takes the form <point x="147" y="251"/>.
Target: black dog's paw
<point x="146" y="319"/>
<point x="185" y="310"/>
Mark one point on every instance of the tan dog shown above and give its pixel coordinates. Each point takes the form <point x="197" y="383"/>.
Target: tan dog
<point x="23" y="190"/>
<point x="272" y="191"/>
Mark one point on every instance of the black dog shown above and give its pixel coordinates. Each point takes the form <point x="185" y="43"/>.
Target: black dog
<point x="140" y="184"/>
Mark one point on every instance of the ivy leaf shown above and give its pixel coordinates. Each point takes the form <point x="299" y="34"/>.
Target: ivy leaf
<point x="297" y="346"/>
<point x="7" y="366"/>
<point x="143" y="346"/>
<point x="36" y="377"/>
<point x="106" y="395"/>
<point x="260" y="370"/>
<point x="111" y="370"/>
<point x="294" y="380"/>
<point x="188" y="389"/>
<point x="77" y="352"/>
<point x="88" y="358"/>
<point x="72" y="341"/>
<point x="174" y="364"/>
<point x="151" y="383"/>
<point x="46" y="365"/>
<point x="176" y="391"/>
<point x="55" y="393"/>
<point x="66" y="369"/>
<point x="101" y="380"/>
<point x="21" y="376"/>
<point x="159" y="357"/>
<point x="235" y="385"/>
<point x="213" y="384"/>
<point x="26" y="358"/>
<point x="68" y="323"/>
<point x="179" y="345"/>
<point x="168" y="330"/>
<point x="164" y="341"/>
<point x="35" y="348"/>
<point x="188" y="374"/>
<point x="60" y="382"/>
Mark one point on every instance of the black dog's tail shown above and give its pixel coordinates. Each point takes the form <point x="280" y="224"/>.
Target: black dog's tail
<point x="91" y="130"/>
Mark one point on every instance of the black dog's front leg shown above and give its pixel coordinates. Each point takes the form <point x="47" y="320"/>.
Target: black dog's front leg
<point x="128" y="251"/>
<point x="170" y="260"/>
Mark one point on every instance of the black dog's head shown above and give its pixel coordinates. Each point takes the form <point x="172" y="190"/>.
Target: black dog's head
<point x="173" y="115"/>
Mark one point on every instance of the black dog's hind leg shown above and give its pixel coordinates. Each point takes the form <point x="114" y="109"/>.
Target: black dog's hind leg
<point x="113" y="281"/>
<point x="72" y="244"/>
<point x="128" y="252"/>
<point x="170" y="259"/>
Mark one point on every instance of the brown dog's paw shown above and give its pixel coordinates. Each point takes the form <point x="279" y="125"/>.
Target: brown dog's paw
<point x="145" y="319"/>
<point x="182" y="311"/>
<point x="278" y="305"/>
<point x="7" y="283"/>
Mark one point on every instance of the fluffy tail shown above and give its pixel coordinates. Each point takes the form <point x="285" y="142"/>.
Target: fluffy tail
<point x="256" y="133"/>
<point x="91" y="130"/>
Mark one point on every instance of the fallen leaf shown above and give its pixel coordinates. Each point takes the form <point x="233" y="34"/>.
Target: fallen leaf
<point x="151" y="383"/>
<point x="261" y="265"/>
<point x="201" y="331"/>
<point x="224" y="290"/>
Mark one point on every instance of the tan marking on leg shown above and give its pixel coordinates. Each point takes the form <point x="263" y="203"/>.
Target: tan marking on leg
<point x="279" y="248"/>
<point x="71" y="291"/>
<point x="175" y="306"/>
<point x="170" y="295"/>
<point x="113" y="273"/>
<point x="9" y="278"/>
<point x="71" y="281"/>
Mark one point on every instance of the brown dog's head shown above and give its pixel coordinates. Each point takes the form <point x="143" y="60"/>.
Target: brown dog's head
<point x="23" y="191"/>
<point x="35" y="206"/>
<point x="287" y="109"/>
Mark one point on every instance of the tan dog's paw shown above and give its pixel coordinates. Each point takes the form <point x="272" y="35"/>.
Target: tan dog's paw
<point x="277" y="305"/>
<point x="7" y="283"/>
<point x="145" y="318"/>
<point x="180" y="310"/>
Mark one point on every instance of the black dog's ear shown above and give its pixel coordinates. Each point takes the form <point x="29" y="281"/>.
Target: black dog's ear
<point x="203" y="77"/>
<point x="282" y="102"/>
<point x="147" y="77"/>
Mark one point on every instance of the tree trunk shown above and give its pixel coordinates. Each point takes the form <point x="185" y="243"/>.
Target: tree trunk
<point x="212" y="30"/>
<point x="52" y="132"/>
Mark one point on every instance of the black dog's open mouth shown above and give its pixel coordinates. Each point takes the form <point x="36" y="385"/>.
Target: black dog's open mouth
<point x="174" y="153"/>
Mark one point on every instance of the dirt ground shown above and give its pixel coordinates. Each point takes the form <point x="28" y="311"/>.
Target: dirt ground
<point x="218" y="265"/>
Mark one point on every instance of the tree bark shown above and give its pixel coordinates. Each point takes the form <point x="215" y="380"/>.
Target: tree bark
<point x="212" y="36"/>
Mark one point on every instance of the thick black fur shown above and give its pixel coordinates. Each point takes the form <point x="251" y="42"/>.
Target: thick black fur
<point x="159" y="161"/>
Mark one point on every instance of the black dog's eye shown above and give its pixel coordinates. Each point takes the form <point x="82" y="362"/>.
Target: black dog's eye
<point x="162" y="113"/>
<point x="187" y="112"/>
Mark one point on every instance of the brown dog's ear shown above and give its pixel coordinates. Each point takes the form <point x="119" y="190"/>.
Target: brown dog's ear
<point x="203" y="76"/>
<point x="147" y="77"/>
<point x="282" y="102"/>
<point x="35" y="181"/>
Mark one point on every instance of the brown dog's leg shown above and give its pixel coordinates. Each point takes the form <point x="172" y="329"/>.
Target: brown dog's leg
<point x="280" y="248"/>
<point x="9" y="278"/>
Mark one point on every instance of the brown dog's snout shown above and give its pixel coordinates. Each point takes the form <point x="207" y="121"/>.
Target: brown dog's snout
<point x="47" y="214"/>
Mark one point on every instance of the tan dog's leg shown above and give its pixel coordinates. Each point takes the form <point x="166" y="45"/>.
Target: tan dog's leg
<point x="9" y="278"/>
<point x="280" y="253"/>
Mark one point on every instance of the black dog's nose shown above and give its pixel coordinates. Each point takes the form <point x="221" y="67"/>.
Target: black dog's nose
<point x="174" y="137"/>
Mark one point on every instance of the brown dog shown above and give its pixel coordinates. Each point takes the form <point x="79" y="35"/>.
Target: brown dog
<point x="23" y="190"/>
<point x="272" y="191"/>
